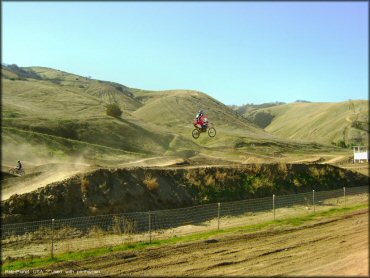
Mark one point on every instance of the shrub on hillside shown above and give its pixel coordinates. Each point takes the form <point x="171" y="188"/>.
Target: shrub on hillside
<point x="342" y="144"/>
<point x="261" y="118"/>
<point x="64" y="128"/>
<point x="119" y="88"/>
<point x="113" y="110"/>
<point x="23" y="73"/>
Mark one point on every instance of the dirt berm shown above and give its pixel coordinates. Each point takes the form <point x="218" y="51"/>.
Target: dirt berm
<point x="106" y="191"/>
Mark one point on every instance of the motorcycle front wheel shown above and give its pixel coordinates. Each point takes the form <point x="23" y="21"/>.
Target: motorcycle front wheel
<point x="212" y="132"/>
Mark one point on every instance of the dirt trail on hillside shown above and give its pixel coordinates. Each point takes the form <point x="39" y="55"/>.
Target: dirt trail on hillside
<point x="335" y="159"/>
<point x="336" y="246"/>
<point x="153" y="161"/>
<point x="48" y="174"/>
<point x="321" y="158"/>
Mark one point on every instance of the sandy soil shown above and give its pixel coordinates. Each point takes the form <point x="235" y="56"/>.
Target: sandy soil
<point x="322" y="159"/>
<point x="335" y="246"/>
<point x="362" y="168"/>
<point x="335" y="159"/>
<point x="160" y="161"/>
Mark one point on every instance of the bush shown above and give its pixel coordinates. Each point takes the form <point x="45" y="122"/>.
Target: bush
<point x="64" y="128"/>
<point x="119" y="88"/>
<point x="342" y="144"/>
<point x="262" y="118"/>
<point x="114" y="110"/>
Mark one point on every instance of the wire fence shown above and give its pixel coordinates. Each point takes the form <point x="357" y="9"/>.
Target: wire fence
<point x="55" y="236"/>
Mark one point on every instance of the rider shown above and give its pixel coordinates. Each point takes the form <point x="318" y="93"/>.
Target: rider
<point x="201" y="120"/>
<point x="19" y="166"/>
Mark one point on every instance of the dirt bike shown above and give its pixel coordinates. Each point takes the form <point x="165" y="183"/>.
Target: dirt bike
<point x="16" y="171"/>
<point x="198" y="130"/>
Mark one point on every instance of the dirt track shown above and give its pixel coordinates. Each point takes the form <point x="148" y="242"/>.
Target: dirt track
<point x="337" y="246"/>
<point x="47" y="174"/>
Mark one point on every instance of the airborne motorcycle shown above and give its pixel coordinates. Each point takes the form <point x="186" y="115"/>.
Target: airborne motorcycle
<point x="203" y="128"/>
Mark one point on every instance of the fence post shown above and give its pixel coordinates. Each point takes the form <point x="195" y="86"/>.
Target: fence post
<point x="218" y="216"/>
<point x="273" y="204"/>
<point x="121" y="227"/>
<point x="52" y="238"/>
<point x="150" y="228"/>
<point x="344" y="192"/>
<point x="313" y="199"/>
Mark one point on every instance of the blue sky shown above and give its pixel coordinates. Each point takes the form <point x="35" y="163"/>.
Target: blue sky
<point x="238" y="52"/>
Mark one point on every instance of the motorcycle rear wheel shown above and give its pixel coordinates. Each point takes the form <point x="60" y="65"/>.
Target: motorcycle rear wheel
<point x="195" y="133"/>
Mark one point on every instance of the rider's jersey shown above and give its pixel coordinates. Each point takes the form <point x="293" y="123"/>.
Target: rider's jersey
<point x="202" y="120"/>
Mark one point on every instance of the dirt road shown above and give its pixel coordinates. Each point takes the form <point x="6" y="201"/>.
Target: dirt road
<point x="336" y="246"/>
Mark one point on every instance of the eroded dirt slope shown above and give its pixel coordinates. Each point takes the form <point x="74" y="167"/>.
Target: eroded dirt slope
<point x="107" y="191"/>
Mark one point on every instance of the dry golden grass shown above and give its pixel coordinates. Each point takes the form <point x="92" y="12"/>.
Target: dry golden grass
<point x="282" y="167"/>
<point x="151" y="182"/>
<point x="192" y="178"/>
<point x="220" y="176"/>
<point x="84" y="184"/>
<point x="210" y="180"/>
<point x="321" y="122"/>
<point x="96" y="231"/>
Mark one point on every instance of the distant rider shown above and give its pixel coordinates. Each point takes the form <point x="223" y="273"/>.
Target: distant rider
<point x="19" y="166"/>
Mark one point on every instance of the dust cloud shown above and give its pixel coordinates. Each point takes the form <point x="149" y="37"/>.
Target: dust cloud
<point x="41" y="165"/>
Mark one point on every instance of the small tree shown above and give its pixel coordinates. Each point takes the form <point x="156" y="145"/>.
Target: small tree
<point x="342" y="144"/>
<point x="113" y="110"/>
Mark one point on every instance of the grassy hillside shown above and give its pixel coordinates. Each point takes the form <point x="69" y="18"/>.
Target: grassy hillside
<point x="247" y="108"/>
<point x="51" y="112"/>
<point x="344" y="122"/>
<point x="72" y="107"/>
<point x="176" y="111"/>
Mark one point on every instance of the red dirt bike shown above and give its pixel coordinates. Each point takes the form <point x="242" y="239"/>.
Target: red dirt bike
<point x="199" y="129"/>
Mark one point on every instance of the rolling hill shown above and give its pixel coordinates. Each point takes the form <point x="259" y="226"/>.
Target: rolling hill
<point x="48" y="113"/>
<point x="337" y="123"/>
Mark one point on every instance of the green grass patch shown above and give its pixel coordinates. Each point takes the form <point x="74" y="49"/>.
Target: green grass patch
<point x="81" y="255"/>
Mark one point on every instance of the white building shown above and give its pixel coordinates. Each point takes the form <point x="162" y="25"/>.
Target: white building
<point x="360" y="154"/>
